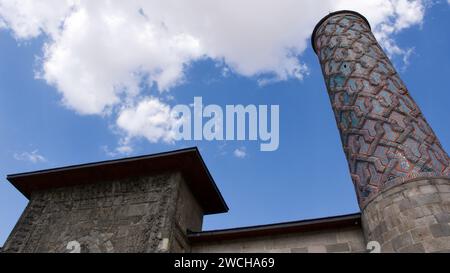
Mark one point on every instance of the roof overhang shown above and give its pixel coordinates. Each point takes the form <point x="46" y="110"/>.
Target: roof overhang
<point x="188" y="161"/>
<point x="320" y="224"/>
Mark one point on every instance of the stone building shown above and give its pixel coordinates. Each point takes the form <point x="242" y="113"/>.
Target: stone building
<point x="156" y="203"/>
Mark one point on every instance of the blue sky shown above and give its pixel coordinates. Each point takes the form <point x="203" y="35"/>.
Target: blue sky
<point x="44" y="125"/>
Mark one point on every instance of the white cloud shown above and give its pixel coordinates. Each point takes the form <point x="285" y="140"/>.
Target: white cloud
<point x="150" y="118"/>
<point x="125" y="149"/>
<point x="390" y="17"/>
<point x="100" y="53"/>
<point x="240" y="152"/>
<point x="105" y="52"/>
<point x="118" y="151"/>
<point x="30" y="18"/>
<point x="33" y="157"/>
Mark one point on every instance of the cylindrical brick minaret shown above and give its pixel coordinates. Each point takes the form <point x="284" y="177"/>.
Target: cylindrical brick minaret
<point x="399" y="169"/>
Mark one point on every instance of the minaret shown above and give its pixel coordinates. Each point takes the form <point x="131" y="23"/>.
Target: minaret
<point x="399" y="169"/>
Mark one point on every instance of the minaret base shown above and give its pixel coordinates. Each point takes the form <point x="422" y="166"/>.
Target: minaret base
<point x="410" y="217"/>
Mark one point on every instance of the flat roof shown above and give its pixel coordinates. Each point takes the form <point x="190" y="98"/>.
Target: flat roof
<point x="188" y="161"/>
<point x="341" y="221"/>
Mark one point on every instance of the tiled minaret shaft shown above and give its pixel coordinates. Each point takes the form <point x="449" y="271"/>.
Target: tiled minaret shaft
<point x="399" y="169"/>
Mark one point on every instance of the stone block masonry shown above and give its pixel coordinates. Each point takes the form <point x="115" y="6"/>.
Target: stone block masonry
<point x="137" y="204"/>
<point x="345" y="240"/>
<point x="332" y="235"/>
<point x="142" y="214"/>
<point x="414" y="217"/>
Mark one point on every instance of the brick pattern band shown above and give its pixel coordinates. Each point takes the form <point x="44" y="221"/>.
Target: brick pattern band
<point x="385" y="137"/>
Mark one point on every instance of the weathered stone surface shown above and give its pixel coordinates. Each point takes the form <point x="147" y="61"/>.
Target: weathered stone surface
<point x="341" y="247"/>
<point x="440" y="230"/>
<point x="299" y="250"/>
<point x="420" y="234"/>
<point x="443" y="217"/>
<point x="144" y="214"/>
<point x="317" y="249"/>
<point x="436" y="245"/>
<point x="402" y="240"/>
<point x="332" y="240"/>
<point x="416" y="248"/>
<point x="417" y="221"/>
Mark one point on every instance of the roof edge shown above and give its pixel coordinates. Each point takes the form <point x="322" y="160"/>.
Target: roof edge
<point x="101" y="163"/>
<point x="219" y="194"/>
<point x="200" y="182"/>
<point x="340" y="221"/>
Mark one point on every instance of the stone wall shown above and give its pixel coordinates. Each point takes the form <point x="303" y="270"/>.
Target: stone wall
<point x="413" y="217"/>
<point x="188" y="215"/>
<point x="144" y="214"/>
<point x="332" y="240"/>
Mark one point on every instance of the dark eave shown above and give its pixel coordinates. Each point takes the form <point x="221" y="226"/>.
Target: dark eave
<point x="188" y="161"/>
<point x="343" y="221"/>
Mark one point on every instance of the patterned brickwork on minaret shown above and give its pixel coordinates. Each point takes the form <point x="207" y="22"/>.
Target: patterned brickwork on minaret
<point x="385" y="137"/>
